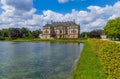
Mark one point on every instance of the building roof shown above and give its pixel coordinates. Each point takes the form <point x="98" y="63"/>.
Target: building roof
<point x="68" y="23"/>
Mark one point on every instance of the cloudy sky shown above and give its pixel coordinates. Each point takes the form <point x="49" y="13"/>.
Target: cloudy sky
<point x="33" y="14"/>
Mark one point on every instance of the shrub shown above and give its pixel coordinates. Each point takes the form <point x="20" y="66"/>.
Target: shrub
<point x="109" y="55"/>
<point x="2" y="38"/>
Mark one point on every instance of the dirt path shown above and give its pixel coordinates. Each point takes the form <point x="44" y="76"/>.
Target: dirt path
<point x="111" y="40"/>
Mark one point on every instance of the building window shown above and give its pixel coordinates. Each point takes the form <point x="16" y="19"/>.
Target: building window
<point x="56" y="32"/>
<point x="60" y="31"/>
<point x="73" y="31"/>
<point x="46" y="32"/>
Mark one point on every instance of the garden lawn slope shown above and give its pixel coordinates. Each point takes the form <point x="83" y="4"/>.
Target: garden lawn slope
<point x="88" y="66"/>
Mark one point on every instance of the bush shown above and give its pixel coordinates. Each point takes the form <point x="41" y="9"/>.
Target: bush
<point x="2" y="38"/>
<point x="109" y="55"/>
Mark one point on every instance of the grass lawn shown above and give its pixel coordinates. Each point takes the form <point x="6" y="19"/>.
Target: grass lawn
<point x="79" y="40"/>
<point x="88" y="66"/>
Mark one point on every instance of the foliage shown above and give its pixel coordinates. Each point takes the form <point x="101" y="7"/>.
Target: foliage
<point x="2" y="38"/>
<point x="112" y="28"/>
<point x="84" y="34"/>
<point x="109" y="55"/>
<point x="88" y="66"/>
<point x="15" y="33"/>
<point x="92" y="34"/>
<point x="19" y="33"/>
<point x="36" y="33"/>
<point x="95" y="33"/>
<point x="4" y="33"/>
<point x="25" y="32"/>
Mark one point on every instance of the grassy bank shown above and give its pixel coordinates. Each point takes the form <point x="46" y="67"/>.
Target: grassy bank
<point x="88" y="66"/>
<point x="79" y="40"/>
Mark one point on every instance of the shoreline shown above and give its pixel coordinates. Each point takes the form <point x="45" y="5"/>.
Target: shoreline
<point x="79" y="40"/>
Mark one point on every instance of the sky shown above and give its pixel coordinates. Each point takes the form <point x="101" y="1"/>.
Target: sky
<point x="33" y="14"/>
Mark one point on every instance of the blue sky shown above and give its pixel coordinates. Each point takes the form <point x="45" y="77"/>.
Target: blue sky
<point x="33" y="14"/>
<point x="66" y="7"/>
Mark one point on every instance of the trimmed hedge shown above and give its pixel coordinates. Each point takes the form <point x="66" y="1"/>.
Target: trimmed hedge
<point x="109" y="55"/>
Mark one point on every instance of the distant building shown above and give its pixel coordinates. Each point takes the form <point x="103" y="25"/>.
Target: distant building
<point x="67" y="29"/>
<point x="103" y="37"/>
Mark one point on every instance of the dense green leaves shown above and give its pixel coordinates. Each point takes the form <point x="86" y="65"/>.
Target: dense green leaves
<point x="4" y="33"/>
<point x="25" y="32"/>
<point x="112" y="28"/>
<point x="95" y="34"/>
<point x="109" y="55"/>
<point x="18" y="33"/>
<point x="84" y="34"/>
<point x="36" y="33"/>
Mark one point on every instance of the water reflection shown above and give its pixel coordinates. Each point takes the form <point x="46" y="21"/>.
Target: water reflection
<point x="37" y="60"/>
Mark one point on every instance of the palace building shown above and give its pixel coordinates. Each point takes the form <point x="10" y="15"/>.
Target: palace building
<point x="67" y="29"/>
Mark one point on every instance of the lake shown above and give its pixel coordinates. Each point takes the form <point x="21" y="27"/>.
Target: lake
<point x="39" y="60"/>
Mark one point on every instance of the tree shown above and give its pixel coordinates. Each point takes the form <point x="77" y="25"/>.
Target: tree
<point x="19" y="33"/>
<point x="84" y="34"/>
<point x="1" y="34"/>
<point x="6" y="32"/>
<point x="95" y="34"/>
<point x="112" y="28"/>
<point x="25" y="32"/>
<point x="36" y="33"/>
<point x="15" y="33"/>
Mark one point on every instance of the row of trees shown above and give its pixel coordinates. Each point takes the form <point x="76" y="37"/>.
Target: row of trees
<point x="19" y="33"/>
<point x="92" y="34"/>
<point x="111" y="30"/>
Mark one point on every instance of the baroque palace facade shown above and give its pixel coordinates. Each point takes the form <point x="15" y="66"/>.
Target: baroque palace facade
<point x="67" y="29"/>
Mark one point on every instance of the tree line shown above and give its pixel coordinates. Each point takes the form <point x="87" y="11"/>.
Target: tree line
<point x="93" y="34"/>
<point x="15" y="33"/>
<point x="111" y="30"/>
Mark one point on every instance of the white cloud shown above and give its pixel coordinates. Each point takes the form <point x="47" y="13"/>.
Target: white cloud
<point x="95" y="18"/>
<point x="62" y="1"/>
<point x="65" y="1"/>
<point x="14" y="15"/>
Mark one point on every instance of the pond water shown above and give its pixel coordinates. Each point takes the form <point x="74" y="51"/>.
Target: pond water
<point x="41" y="60"/>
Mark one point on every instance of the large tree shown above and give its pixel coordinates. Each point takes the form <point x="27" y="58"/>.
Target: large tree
<point x="84" y="34"/>
<point x="96" y="33"/>
<point x="112" y="28"/>
<point x="25" y="32"/>
<point x="36" y="33"/>
<point x="4" y="33"/>
<point x="15" y="33"/>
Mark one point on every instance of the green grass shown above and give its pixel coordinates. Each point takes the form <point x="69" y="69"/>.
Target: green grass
<point x="79" y="40"/>
<point x="88" y="66"/>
